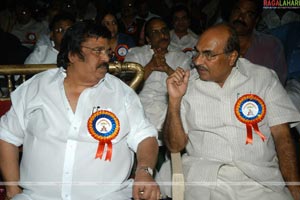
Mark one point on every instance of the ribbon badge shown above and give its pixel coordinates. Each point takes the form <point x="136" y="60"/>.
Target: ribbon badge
<point x="250" y="109"/>
<point x="121" y="52"/>
<point x="104" y="126"/>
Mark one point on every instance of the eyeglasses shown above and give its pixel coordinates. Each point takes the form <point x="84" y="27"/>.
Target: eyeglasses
<point x="99" y="50"/>
<point x="208" y="55"/>
<point x="158" y="32"/>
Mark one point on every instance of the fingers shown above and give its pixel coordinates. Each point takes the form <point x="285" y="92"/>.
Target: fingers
<point x="179" y="76"/>
<point x="147" y="192"/>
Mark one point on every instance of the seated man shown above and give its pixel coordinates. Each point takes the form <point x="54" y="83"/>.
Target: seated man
<point x="159" y="61"/>
<point x="233" y="119"/>
<point x="79" y="127"/>
<point x="47" y="53"/>
<point x="259" y="48"/>
<point x="182" y="37"/>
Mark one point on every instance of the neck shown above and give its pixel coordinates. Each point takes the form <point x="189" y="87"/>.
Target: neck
<point x="113" y="43"/>
<point x="245" y="42"/>
<point x="78" y="82"/>
<point x="180" y="34"/>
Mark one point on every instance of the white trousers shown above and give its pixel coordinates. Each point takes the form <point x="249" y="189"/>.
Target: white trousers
<point x="232" y="184"/>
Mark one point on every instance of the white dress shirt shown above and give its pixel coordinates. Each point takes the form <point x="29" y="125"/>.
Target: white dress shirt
<point x="42" y="54"/>
<point x="217" y="137"/>
<point x="29" y="33"/>
<point x="186" y="43"/>
<point x="154" y="92"/>
<point x="58" y="159"/>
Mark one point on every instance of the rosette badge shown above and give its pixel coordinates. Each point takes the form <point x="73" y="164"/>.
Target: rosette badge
<point x="250" y="109"/>
<point x="104" y="126"/>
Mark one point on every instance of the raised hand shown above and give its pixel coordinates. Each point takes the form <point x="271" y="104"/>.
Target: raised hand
<point x="177" y="83"/>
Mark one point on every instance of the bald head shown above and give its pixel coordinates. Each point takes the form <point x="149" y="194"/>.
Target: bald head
<point x="217" y="53"/>
<point x="224" y="34"/>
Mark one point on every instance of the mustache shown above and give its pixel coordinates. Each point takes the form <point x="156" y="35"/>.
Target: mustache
<point x="239" y="22"/>
<point x="201" y="67"/>
<point x="104" y="65"/>
<point x="164" y="40"/>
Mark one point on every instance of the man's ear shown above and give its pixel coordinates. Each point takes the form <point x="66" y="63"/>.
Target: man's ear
<point x="72" y="57"/>
<point x="233" y="57"/>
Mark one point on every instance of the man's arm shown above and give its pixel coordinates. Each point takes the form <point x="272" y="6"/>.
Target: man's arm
<point x="287" y="157"/>
<point x="174" y="136"/>
<point x="9" y="167"/>
<point x="145" y="187"/>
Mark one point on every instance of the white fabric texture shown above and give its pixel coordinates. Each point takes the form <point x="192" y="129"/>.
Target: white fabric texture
<point x="29" y="33"/>
<point x="293" y="89"/>
<point x="42" y="54"/>
<point x="154" y="92"/>
<point x="217" y="137"/>
<point x="58" y="152"/>
<point x="188" y="41"/>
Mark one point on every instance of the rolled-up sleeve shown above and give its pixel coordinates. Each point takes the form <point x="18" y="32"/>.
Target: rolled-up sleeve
<point x="140" y="126"/>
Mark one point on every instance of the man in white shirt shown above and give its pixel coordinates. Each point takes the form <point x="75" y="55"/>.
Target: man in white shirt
<point x="46" y="52"/>
<point x="26" y="28"/>
<point x="80" y="128"/>
<point x="159" y="61"/>
<point x="233" y="119"/>
<point x="182" y="37"/>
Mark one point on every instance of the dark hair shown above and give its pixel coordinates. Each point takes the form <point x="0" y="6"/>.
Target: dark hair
<point x="180" y="7"/>
<point x="64" y="16"/>
<point x="100" y="16"/>
<point x="75" y="36"/>
<point x="257" y="3"/>
<point x="148" y="23"/>
<point x="233" y="43"/>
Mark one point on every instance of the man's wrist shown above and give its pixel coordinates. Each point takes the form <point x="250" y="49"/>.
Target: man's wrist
<point x="145" y="169"/>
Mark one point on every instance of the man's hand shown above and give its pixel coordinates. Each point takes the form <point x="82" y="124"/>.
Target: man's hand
<point x="177" y="83"/>
<point x="12" y="190"/>
<point x="295" y="191"/>
<point x="145" y="187"/>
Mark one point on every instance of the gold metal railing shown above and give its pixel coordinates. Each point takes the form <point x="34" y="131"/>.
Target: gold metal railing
<point x="29" y="69"/>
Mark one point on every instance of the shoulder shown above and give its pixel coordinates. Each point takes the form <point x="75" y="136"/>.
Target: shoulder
<point x="38" y="83"/>
<point x="176" y="53"/>
<point x="115" y="84"/>
<point x="140" y="50"/>
<point x="192" y="34"/>
<point x="254" y="70"/>
<point x="267" y="39"/>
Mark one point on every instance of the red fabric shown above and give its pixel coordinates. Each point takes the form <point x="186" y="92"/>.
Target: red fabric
<point x="4" y="106"/>
<point x="2" y="193"/>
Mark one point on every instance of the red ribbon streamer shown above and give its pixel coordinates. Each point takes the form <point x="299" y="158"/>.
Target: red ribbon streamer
<point x="249" y="139"/>
<point x="100" y="150"/>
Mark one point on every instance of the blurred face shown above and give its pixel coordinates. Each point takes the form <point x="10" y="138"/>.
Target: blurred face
<point x="111" y="24"/>
<point x="181" y="21"/>
<point x="23" y="15"/>
<point x="127" y="9"/>
<point x="143" y="10"/>
<point x="159" y="35"/>
<point x="244" y="17"/>
<point x="58" y="32"/>
<point x="211" y="62"/>
<point x="95" y="63"/>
